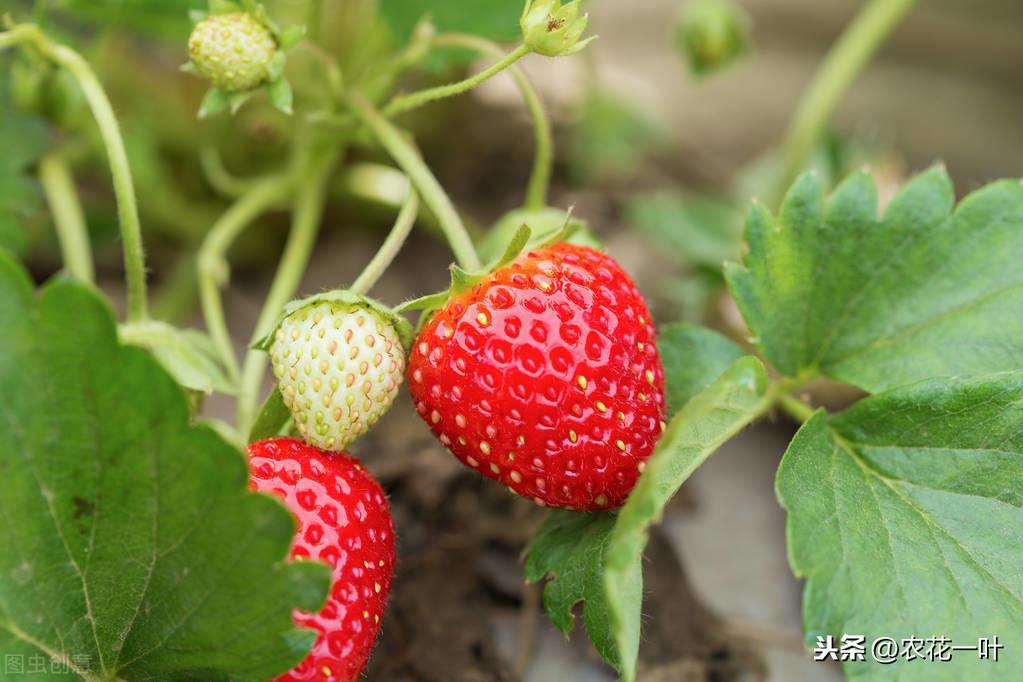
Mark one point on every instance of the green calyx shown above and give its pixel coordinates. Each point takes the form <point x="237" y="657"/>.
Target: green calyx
<point x="239" y="49"/>
<point x="462" y="280"/>
<point x="552" y="29"/>
<point x="343" y="297"/>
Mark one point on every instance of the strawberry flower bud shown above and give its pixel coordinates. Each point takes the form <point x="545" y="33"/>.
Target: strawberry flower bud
<point x="233" y="51"/>
<point x="712" y="35"/>
<point x="552" y="29"/>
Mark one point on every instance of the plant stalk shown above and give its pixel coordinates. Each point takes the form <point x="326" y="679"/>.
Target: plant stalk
<point x="543" y="158"/>
<point x="847" y="57"/>
<point x="124" y="188"/>
<point x="213" y="267"/>
<point x="432" y="194"/>
<point x="390" y="248"/>
<point x="404" y="103"/>
<point x="309" y="206"/>
<point x="68" y="217"/>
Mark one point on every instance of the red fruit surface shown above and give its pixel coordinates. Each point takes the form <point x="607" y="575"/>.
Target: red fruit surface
<point x="344" y="521"/>
<point x="545" y="376"/>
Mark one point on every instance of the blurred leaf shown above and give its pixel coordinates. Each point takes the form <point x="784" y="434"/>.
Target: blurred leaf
<point x="494" y="19"/>
<point x="693" y="358"/>
<point x="905" y="517"/>
<point x="22" y="141"/>
<point x="130" y="539"/>
<point x="830" y="287"/>
<point x="161" y="18"/>
<point x="699" y="230"/>
<point x="706" y="422"/>
<point x="610" y="139"/>
<point x="188" y="355"/>
<point x="569" y="548"/>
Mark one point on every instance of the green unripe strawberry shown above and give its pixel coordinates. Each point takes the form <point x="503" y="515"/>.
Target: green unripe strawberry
<point x="338" y="366"/>
<point x="233" y="51"/>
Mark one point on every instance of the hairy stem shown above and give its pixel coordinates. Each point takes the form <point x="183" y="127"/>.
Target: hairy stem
<point x="389" y="249"/>
<point x="110" y="132"/>
<point x="543" y="158"/>
<point x="844" y="61"/>
<point x="404" y="103"/>
<point x="309" y="205"/>
<point x="213" y="267"/>
<point x="432" y="194"/>
<point x="68" y="217"/>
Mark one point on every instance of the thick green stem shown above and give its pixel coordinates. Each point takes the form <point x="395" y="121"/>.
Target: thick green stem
<point x="309" y="205"/>
<point x="390" y="248"/>
<point x="68" y="217"/>
<point x="213" y="267"/>
<point x="844" y="61"/>
<point x="124" y="189"/>
<point x="411" y="101"/>
<point x="795" y="407"/>
<point x="408" y="159"/>
<point x="543" y="158"/>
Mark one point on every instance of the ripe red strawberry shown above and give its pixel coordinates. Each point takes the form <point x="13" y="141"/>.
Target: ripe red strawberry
<point x="544" y="376"/>
<point x="344" y="521"/>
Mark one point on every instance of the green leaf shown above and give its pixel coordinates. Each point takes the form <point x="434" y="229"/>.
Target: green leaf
<point x="699" y="230"/>
<point x="130" y="544"/>
<point x="188" y="355"/>
<point x="569" y="548"/>
<point x="905" y="516"/>
<point x="494" y="19"/>
<point x="693" y="358"/>
<point x="273" y="417"/>
<point x="828" y="287"/>
<point x="705" y="423"/>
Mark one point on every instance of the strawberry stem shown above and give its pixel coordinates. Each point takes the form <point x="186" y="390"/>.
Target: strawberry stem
<point x="540" y="176"/>
<point x="308" y="213"/>
<point x="213" y="266"/>
<point x="110" y="132"/>
<point x="68" y="217"/>
<point x="844" y="61"/>
<point x="413" y="100"/>
<point x="390" y="248"/>
<point x="433" y="195"/>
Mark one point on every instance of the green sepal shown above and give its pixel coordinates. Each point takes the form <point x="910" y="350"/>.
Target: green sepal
<point x="463" y="280"/>
<point x="342" y="297"/>
<point x="272" y="419"/>
<point x="238" y="99"/>
<point x="291" y="36"/>
<point x="197" y="16"/>
<point x="280" y="94"/>
<point x="215" y="101"/>
<point x="275" y="69"/>
<point x="189" y="68"/>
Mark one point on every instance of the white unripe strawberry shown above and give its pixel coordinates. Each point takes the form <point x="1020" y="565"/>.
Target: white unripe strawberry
<point x="338" y="366"/>
<point x="233" y="51"/>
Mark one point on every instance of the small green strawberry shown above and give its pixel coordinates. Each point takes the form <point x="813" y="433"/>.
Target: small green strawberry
<point x="339" y="359"/>
<point x="233" y="51"/>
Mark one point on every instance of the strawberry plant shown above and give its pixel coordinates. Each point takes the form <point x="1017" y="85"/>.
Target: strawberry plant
<point x="146" y="536"/>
